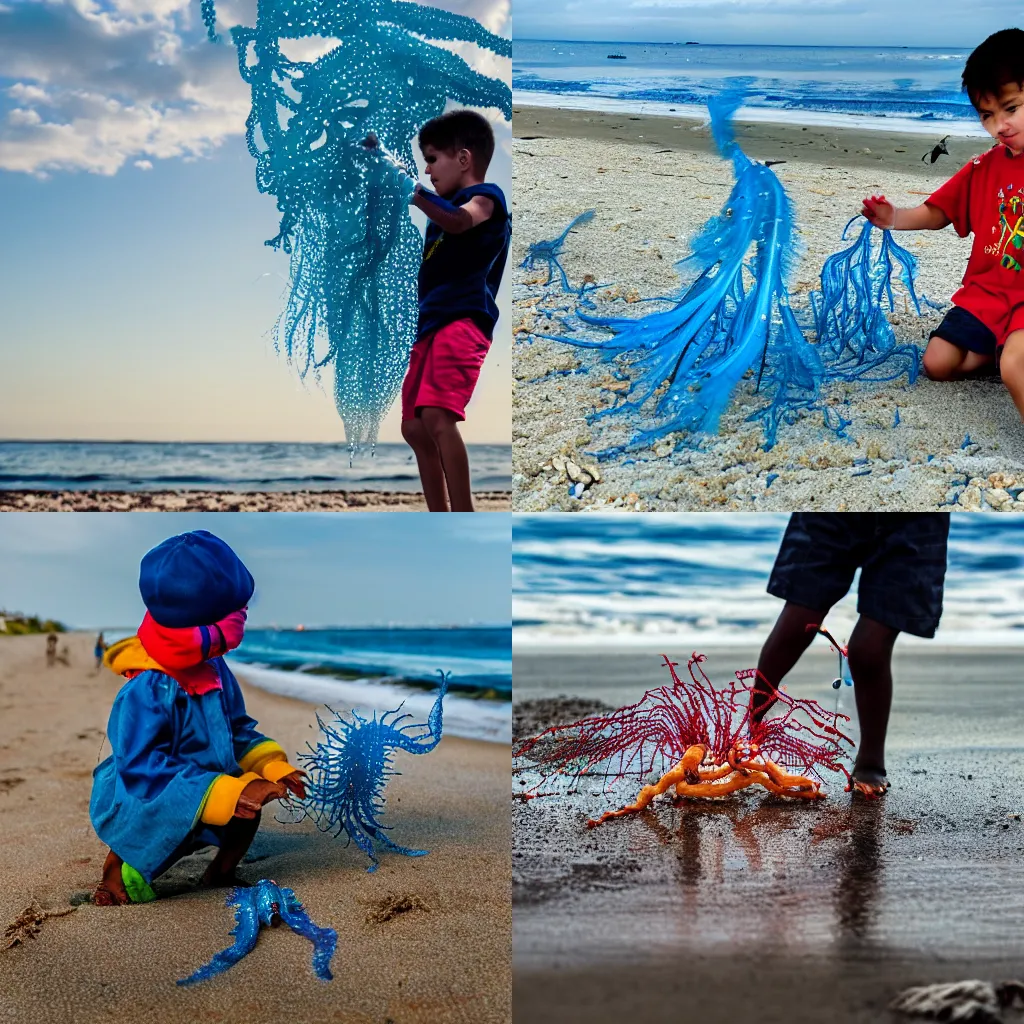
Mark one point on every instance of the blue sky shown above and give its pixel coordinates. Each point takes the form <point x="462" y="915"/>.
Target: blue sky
<point x="330" y="569"/>
<point x="136" y="294"/>
<point x="766" y="22"/>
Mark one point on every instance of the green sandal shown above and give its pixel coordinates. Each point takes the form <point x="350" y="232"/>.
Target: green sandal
<point x="135" y="885"/>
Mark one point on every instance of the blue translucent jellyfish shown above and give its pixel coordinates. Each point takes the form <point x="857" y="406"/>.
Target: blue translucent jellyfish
<point x="349" y="769"/>
<point x="849" y="319"/>
<point x="267" y="903"/>
<point x="734" y="319"/>
<point x="546" y="253"/>
<point x="354" y="250"/>
<point x="690" y="358"/>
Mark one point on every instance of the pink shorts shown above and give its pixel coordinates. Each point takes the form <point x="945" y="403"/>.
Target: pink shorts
<point x="443" y="369"/>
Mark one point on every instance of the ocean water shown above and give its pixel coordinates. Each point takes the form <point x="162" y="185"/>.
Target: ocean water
<point x="909" y="89"/>
<point x="379" y="669"/>
<point x="153" y="466"/>
<point x="698" y="580"/>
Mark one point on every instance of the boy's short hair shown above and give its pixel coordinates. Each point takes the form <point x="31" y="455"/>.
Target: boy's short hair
<point x="997" y="61"/>
<point x="461" y="129"/>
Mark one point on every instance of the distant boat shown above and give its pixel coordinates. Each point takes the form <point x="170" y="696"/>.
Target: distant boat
<point x="691" y="43"/>
<point x="616" y="56"/>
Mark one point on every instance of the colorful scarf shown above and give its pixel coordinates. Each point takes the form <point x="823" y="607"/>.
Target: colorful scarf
<point x="184" y="654"/>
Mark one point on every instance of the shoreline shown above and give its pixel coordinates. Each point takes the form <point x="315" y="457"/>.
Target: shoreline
<point x="924" y="447"/>
<point x="448" y="951"/>
<point x="760" y="140"/>
<point x="233" y="501"/>
<point x="772" y="116"/>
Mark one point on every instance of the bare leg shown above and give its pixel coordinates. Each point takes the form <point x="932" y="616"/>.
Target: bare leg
<point x="443" y="427"/>
<point x="945" y="361"/>
<point x="788" y="639"/>
<point x="870" y="655"/>
<point x="428" y="461"/>
<point x="238" y="836"/>
<point x="111" y="891"/>
<point x="1011" y="368"/>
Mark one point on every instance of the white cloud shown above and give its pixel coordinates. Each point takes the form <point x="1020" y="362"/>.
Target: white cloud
<point x="28" y="93"/>
<point x="17" y="116"/>
<point x="144" y="165"/>
<point x="95" y="86"/>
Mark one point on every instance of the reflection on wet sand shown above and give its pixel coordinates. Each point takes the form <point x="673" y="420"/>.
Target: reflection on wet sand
<point x="854" y="831"/>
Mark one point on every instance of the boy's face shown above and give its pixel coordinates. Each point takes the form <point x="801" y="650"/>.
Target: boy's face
<point x="447" y="169"/>
<point x="1002" y="116"/>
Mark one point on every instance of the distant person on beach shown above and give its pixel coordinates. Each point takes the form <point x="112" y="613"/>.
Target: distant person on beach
<point x="51" y="650"/>
<point x="101" y="646"/>
<point x="902" y="559"/>
<point x="189" y="768"/>
<point x="464" y="256"/>
<point x="986" y="197"/>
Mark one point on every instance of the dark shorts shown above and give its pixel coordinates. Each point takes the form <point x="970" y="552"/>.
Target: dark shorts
<point x="901" y="556"/>
<point x="966" y="331"/>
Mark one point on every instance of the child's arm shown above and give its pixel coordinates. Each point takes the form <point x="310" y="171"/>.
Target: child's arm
<point x="153" y="775"/>
<point x="883" y="214"/>
<point x="452" y="219"/>
<point x="255" y="752"/>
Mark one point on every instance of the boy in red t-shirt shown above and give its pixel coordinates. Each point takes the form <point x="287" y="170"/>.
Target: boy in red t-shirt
<point x="986" y="196"/>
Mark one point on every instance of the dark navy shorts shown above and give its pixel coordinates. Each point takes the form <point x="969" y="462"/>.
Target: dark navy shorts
<point x="966" y="331"/>
<point x="901" y="556"/>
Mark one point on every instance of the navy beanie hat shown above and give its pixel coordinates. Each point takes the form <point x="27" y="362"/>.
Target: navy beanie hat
<point x="193" y="579"/>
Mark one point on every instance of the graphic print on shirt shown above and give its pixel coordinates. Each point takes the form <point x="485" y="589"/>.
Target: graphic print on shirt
<point x="430" y="252"/>
<point x="1010" y="227"/>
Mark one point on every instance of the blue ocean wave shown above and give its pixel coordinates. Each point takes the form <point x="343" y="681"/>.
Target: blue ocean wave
<point x="897" y="82"/>
<point x="611" y="579"/>
<point x="151" y="466"/>
<point x="479" y="659"/>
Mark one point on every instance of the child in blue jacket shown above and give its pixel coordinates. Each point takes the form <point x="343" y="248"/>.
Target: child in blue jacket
<point x="189" y="767"/>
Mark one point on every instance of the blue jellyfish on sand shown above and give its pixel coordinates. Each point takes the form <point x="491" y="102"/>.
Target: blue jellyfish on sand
<point x="734" y="320"/>
<point x="345" y="223"/>
<point x="547" y="253"/>
<point x="267" y="903"/>
<point x="349" y="768"/>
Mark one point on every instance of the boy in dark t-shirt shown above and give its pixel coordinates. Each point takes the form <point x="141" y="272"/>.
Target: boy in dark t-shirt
<point x="464" y="255"/>
<point x="985" y="197"/>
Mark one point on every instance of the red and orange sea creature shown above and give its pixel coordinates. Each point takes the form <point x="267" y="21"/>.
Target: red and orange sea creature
<point x="706" y="738"/>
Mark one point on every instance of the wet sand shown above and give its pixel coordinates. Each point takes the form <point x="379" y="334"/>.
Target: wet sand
<point x="751" y="908"/>
<point x="446" y="959"/>
<point x="226" y="501"/>
<point x="654" y="181"/>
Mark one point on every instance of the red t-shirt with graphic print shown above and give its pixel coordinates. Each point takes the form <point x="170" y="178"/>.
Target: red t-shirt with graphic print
<point x="986" y="196"/>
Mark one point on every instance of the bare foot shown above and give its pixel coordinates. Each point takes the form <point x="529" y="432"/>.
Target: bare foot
<point x="870" y="783"/>
<point x="111" y="891"/>
<point x="110" y="895"/>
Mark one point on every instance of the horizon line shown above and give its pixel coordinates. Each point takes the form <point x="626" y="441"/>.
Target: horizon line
<point x="90" y="440"/>
<point x="763" y="46"/>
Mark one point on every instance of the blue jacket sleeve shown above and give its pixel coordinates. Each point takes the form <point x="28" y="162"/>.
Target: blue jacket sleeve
<point x="141" y="735"/>
<point x="244" y="734"/>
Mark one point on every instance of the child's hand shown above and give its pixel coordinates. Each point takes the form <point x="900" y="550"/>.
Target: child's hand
<point x="880" y="212"/>
<point x="295" y="784"/>
<point x="255" y="795"/>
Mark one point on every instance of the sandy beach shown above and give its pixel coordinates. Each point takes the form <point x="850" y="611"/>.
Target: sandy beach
<point x="445" y="960"/>
<point x="654" y="181"/>
<point x="754" y="909"/>
<point x="226" y="501"/>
